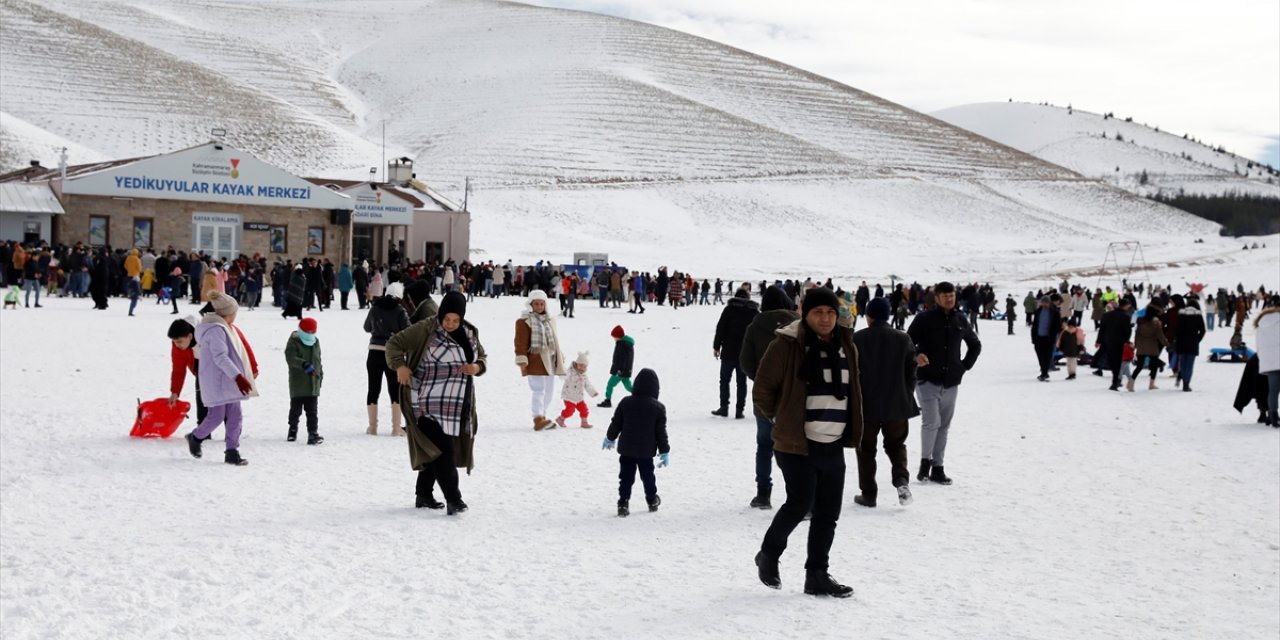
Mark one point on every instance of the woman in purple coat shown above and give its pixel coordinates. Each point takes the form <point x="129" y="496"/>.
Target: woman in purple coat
<point x="225" y="376"/>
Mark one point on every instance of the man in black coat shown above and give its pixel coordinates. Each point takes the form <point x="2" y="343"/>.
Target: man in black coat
<point x="1046" y="324"/>
<point x="1113" y="332"/>
<point x="937" y="334"/>
<point x="727" y="345"/>
<point x="887" y="373"/>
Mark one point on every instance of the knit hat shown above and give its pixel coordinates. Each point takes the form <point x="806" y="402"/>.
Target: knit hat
<point x="308" y="325"/>
<point x="417" y="291"/>
<point x="395" y="290"/>
<point x="223" y="304"/>
<point x="583" y="357"/>
<point x="878" y="309"/>
<point x="453" y="302"/>
<point x="819" y="297"/>
<point x="537" y="294"/>
<point x="618" y="331"/>
<point x="742" y="293"/>
<point x="776" y="298"/>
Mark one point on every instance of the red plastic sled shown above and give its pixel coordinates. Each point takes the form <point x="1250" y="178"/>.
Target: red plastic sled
<point x="156" y="419"/>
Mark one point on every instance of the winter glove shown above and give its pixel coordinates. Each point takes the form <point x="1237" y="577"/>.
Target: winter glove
<point x="608" y="444"/>
<point x="308" y="368"/>
<point x="243" y="384"/>
<point x="664" y="459"/>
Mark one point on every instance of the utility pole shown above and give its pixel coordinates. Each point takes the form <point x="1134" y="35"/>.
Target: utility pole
<point x="384" y="150"/>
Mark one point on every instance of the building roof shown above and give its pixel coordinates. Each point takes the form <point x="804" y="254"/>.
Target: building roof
<point x="21" y="197"/>
<point x="415" y="193"/>
<point x="41" y="173"/>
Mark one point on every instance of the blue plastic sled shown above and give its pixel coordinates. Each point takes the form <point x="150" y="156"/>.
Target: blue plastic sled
<point x="1227" y="354"/>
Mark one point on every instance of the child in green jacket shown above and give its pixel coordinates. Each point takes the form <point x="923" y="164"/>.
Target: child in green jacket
<point x="305" y="375"/>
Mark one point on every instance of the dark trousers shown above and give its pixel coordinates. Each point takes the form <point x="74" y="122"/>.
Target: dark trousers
<point x="1114" y="357"/>
<point x="1010" y="319"/>
<point x="1044" y="353"/>
<point x="895" y="446"/>
<point x="201" y="410"/>
<point x="817" y="481"/>
<point x="376" y="366"/>
<point x="764" y="454"/>
<point x="296" y="406"/>
<point x="345" y="295"/>
<point x="442" y="469"/>
<point x="727" y="370"/>
<point x="627" y="477"/>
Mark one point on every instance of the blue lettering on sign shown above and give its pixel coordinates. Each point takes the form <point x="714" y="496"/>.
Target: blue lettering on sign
<point x="143" y="183"/>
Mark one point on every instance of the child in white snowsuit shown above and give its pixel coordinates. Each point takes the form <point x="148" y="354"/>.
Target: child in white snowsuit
<point x="576" y="386"/>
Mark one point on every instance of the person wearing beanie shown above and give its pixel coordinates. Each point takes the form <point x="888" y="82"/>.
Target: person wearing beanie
<point x="574" y="391"/>
<point x="776" y="311"/>
<point x="306" y="373"/>
<point x="538" y="355"/>
<point x="224" y="378"/>
<point x="1046" y="324"/>
<point x="624" y="355"/>
<point x="417" y="297"/>
<point x="1011" y="311"/>
<point x="726" y="347"/>
<point x="386" y="318"/>
<point x="435" y="362"/>
<point x="1070" y="343"/>
<point x="937" y="334"/>
<point x="807" y="383"/>
<point x="887" y="373"/>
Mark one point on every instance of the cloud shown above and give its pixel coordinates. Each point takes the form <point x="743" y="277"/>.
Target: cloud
<point x="1208" y="69"/>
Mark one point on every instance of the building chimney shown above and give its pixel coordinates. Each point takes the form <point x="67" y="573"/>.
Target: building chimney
<point x="62" y="163"/>
<point x="400" y="171"/>
<point x="35" y="163"/>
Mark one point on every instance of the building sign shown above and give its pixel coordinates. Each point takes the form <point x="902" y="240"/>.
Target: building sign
<point x="207" y="173"/>
<point x="257" y="226"/>
<point x="378" y="207"/>
<point x="215" y="218"/>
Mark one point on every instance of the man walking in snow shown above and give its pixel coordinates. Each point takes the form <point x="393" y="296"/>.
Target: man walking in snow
<point x="887" y="372"/>
<point x="937" y="334"/>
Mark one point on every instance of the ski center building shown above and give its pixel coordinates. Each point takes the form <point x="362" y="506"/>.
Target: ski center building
<point x="226" y="202"/>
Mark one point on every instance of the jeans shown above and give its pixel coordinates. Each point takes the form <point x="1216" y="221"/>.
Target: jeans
<point x="728" y="368"/>
<point x="1273" y="393"/>
<point x="1186" y="367"/>
<point x="1210" y="318"/>
<point x="29" y="285"/>
<point x="815" y="480"/>
<point x="627" y="468"/>
<point x="764" y="453"/>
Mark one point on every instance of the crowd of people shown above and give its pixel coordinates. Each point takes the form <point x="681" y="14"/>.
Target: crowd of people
<point x="820" y="382"/>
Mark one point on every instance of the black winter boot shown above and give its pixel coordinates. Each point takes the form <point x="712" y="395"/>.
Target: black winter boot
<point x="739" y="414"/>
<point x="817" y="582"/>
<point x="293" y="434"/>
<point x="723" y="412"/>
<point x="623" y="509"/>
<point x="863" y="500"/>
<point x="455" y="507"/>
<point x="923" y="475"/>
<point x="314" y="438"/>
<point x="654" y="502"/>
<point x="767" y="569"/>
<point x="606" y="403"/>
<point x="193" y="445"/>
<point x="937" y="476"/>
<point x="233" y="457"/>
<point x="428" y="501"/>
<point x="761" y="501"/>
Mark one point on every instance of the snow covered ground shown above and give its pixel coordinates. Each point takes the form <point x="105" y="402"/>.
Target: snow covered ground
<point x="1076" y="512"/>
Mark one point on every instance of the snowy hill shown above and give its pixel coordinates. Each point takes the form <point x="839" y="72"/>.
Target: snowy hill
<point x="579" y="132"/>
<point x="1115" y="150"/>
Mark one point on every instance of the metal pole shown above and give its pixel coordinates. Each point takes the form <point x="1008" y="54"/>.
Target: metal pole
<point x="384" y="150"/>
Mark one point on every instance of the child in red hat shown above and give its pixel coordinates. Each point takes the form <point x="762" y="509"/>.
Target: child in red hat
<point x="624" y="355"/>
<point x="302" y="354"/>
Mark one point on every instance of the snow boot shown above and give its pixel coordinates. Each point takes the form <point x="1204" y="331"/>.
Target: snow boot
<point x="193" y="445"/>
<point x="373" y="420"/>
<point x="767" y="569"/>
<point x="455" y="507"/>
<point x="739" y="414"/>
<point x="937" y="476"/>
<point x="584" y="424"/>
<point x="233" y="457"/>
<point x="817" y="582"/>
<point x="292" y="436"/>
<point x="923" y="475"/>
<point x="1152" y="386"/>
<point x="904" y="495"/>
<point x="623" y="509"/>
<point x="540" y="423"/>
<point x="428" y="501"/>
<point x="314" y="438"/>
<point x="861" y="499"/>
<point x="723" y="412"/>
<point x="560" y="422"/>
<point x="1129" y="385"/>
<point x="606" y="403"/>
<point x="1186" y="386"/>
<point x="761" y="501"/>
<point x="654" y="502"/>
<point x="396" y="429"/>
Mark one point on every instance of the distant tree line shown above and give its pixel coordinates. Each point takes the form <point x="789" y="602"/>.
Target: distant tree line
<point x="1239" y="214"/>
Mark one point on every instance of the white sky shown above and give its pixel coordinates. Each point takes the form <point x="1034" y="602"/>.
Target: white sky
<point x="1211" y="69"/>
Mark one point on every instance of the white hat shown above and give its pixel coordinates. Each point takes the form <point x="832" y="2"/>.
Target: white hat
<point x="537" y="294"/>
<point x="395" y="290"/>
<point x="582" y="357"/>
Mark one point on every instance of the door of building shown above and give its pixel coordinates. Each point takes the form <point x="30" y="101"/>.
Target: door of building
<point x="217" y="236"/>
<point x="433" y="252"/>
<point x="31" y="232"/>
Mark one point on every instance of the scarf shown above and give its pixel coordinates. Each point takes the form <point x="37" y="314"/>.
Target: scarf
<point x="811" y="371"/>
<point x="237" y="345"/>
<point x="543" y="334"/>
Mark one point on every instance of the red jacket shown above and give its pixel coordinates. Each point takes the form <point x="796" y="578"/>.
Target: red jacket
<point x="184" y="360"/>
